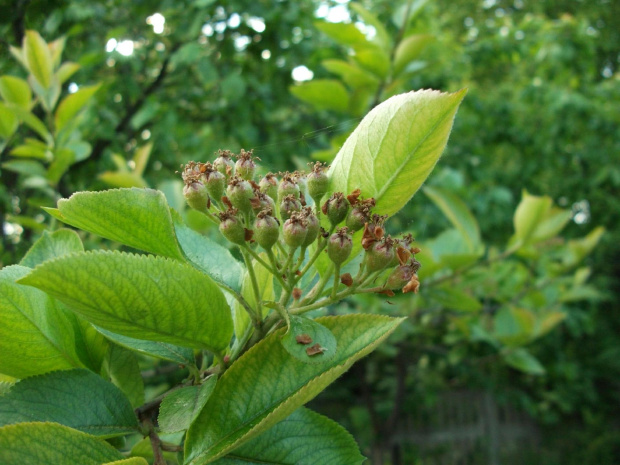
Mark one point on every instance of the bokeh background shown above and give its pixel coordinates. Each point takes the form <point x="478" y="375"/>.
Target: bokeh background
<point x="511" y="353"/>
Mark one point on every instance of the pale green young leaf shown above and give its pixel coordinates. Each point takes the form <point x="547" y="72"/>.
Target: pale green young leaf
<point x="8" y="122"/>
<point x="122" y="179"/>
<point x="129" y="461"/>
<point x="37" y="443"/>
<point x="455" y="299"/>
<point x="294" y="340"/>
<point x="141" y="158"/>
<point x="31" y="151"/>
<point x="351" y="74"/>
<point x="524" y="361"/>
<point x="267" y="384"/>
<point x="121" y="366"/>
<point x="410" y="49"/>
<point x="395" y="147"/>
<point x="555" y="220"/>
<point x="208" y="256"/>
<point x="36" y="336"/>
<point x="181" y="407"/>
<point x="323" y="94"/>
<point x="32" y="122"/>
<point x="56" y="48"/>
<point x="530" y="212"/>
<point x="15" y="90"/>
<point x="18" y="54"/>
<point x="38" y="58"/>
<point x="303" y="437"/>
<point x="264" y="279"/>
<point x="72" y="104"/>
<point x="66" y="70"/>
<point x="139" y="218"/>
<point x="578" y="249"/>
<point x="51" y="245"/>
<point x="343" y="33"/>
<point x="177" y="354"/>
<point x="382" y="37"/>
<point x="459" y="215"/>
<point x="77" y="398"/>
<point x="139" y="296"/>
<point x="374" y="59"/>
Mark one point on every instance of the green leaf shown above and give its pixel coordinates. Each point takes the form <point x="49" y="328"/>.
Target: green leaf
<point x="382" y="37"/>
<point x="524" y="361"/>
<point x="351" y="74"/>
<point x="456" y="299"/>
<point x="139" y="296"/>
<point x="514" y="326"/>
<point x="129" y="461"/>
<point x="38" y="58"/>
<point x="36" y="336"/>
<point x="32" y="122"/>
<point x="77" y="398"/>
<point x="122" y="179"/>
<point x="374" y="59"/>
<point x="395" y="147"/>
<point x="459" y="215"/>
<point x="530" y="212"/>
<point x="52" y="245"/>
<point x="141" y="158"/>
<point x="410" y="49"/>
<point x="124" y="372"/>
<point x="32" y="151"/>
<point x="8" y="122"/>
<point x="66" y="70"/>
<point x="318" y="334"/>
<point x="343" y="33"/>
<point x="56" y="48"/>
<point x="207" y="255"/>
<point x="27" y="167"/>
<point x="264" y="279"/>
<point x="180" y="355"/>
<point x="50" y="443"/>
<point x="139" y="218"/>
<point x="72" y="104"/>
<point x="15" y="90"/>
<point x="181" y="407"/>
<point x="267" y="384"/>
<point x="323" y="94"/>
<point x="578" y="249"/>
<point x="303" y="437"/>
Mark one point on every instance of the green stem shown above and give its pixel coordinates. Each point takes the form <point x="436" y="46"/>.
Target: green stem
<point x="336" y="280"/>
<point x="320" y="247"/>
<point x="318" y="288"/>
<point x="256" y="312"/>
<point x="242" y="342"/>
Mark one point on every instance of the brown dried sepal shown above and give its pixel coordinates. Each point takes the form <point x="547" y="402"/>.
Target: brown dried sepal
<point x="304" y="339"/>
<point x="373" y="232"/>
<point x="230" y="213"/>
<point x="226" y="201"/>
<point x="316" y="349"/>
<point x="402" y="254"/>
<point x="387" y="292"/>
<point x="296" y="294"/>
<point x="353" y="197"/>
<point x="248" y="234"/>
<point x="346" y="279"/>
<point x="413" y="285"/>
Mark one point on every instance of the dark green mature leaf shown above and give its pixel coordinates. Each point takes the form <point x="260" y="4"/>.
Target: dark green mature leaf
<point x="138" y="218"/>
<point x="181" y="407"/>
<point x="36" y="336"/>
<point x="181" y="355"/>
<point x="143" y="297"/>
<point x="395" y="147"/>
<point x="267" y="384"/>
<point x="294" y="341"/>
<point x="77" y="398"/>
<point x="52" y="245"/>
<point x="50" y="443"/>
<point x="208" y="256"/>
<point x="303" y="437"/>
<point x="130" y="461"/>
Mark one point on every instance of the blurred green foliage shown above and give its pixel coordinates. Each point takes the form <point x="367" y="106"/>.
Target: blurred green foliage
<point x="502" y="293"/>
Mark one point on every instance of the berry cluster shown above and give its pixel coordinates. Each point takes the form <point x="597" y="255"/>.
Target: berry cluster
<point x="273" y="214"/>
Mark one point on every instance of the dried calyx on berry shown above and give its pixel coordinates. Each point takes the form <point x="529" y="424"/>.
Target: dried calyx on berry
<point x="214" y="181"/>
<point x="336" y="208"/>
<point x="373" y="231"/>
<point x="261" y="202"/>
<point x="231" y="226"/>
<point x="194" y="190"/>
<point x="360" y="212"/>
<point x="313" y="226"/>
<point x="380" y="254"/>
<point x="339" y="246"/>
<point x="405" y="274"/>
<point x="317" y="182"/>
<point x="245" y="167"/>
<point x="224" y="163"/>
<point x="239" y="192"/>
<point x="295" y="230"/>
<point x="266" y="229"/>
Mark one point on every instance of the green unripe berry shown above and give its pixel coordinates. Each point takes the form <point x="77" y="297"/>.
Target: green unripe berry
<point x="266" y="230"/>
<point x="269" y="186"/>
<point x="215" y="183"/>
<point x="288" y="186"/>
<point x="295" y="230"/>
<point x="261" y="202"/>
<point x="197" y="196"/>
<point x="224" y="163"/>
<point x="336" y="208"/>
<point x="356" y="219"/>
<point x="339" y="246"/>
<point x="231" y="227"/>
<point x="288" y="206"/>
<point x="245" y="166"/>
<point x="313" y="227"/>
<point x="380" y="254"/>
<point x="317" y="182"/>
<point x="239" y="192"/>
